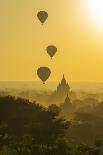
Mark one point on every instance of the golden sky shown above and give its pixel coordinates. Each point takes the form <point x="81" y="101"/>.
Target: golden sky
<point x="23" y="40"/>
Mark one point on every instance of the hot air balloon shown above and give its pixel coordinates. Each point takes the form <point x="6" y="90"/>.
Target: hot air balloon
<point x="42" y="16"/>
<point x="43" y="73"/>
<point x="51" y="50"/>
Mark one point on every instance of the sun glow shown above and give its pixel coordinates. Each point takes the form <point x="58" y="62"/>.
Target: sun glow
<point x="95" y="8"/>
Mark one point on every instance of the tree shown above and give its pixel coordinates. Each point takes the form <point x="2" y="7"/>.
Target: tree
<point x="20" y="117"/>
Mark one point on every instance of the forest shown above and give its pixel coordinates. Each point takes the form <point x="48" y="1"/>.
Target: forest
<point x="28" y="128"/>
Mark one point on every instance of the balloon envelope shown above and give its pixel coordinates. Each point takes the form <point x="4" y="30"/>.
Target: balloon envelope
<point x="51" y="50"/>
<point x="43" y="73"/>
<point x="42" y="16"/>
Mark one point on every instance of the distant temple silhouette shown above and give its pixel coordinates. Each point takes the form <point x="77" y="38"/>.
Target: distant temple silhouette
<point x="63" y="88"/>
<point x="67" y="101"/>
<point x="67" y="108"/>
<point x="59" y="95"/>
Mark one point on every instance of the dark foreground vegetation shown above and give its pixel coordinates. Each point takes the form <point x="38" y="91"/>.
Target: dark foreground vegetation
<point x="28" y="128"/>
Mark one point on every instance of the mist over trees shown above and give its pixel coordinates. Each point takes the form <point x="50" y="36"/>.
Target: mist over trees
<point x="58" y="122"/>
<point x="28" y="128"/>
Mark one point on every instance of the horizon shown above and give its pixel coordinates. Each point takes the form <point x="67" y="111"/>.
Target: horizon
<point x="58" y="81"/>
<point x="92" y="87"/>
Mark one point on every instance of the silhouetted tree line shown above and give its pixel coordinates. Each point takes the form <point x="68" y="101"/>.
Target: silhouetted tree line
<point x="28" y="128"/>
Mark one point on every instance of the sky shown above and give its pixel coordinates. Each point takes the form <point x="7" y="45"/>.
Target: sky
<point x="69" y="27"/>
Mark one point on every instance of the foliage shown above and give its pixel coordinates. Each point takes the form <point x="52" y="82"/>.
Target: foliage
<point x="28" y="128"/>
<point x="24" y="124"/>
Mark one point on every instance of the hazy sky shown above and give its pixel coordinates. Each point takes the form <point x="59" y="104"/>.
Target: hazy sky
<point x="70" y="27"/>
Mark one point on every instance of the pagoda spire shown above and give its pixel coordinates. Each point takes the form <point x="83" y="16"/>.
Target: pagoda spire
<point x="63" y="80"/>
<point x="67" y="99"/>
<point x="63" y="76"/>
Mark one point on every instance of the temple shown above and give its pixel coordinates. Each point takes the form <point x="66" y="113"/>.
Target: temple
<point x="59" y="95"/>
<point x="67" y="109"/>
<point x="67" y="100"/>
<point x="63" y="88"/>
